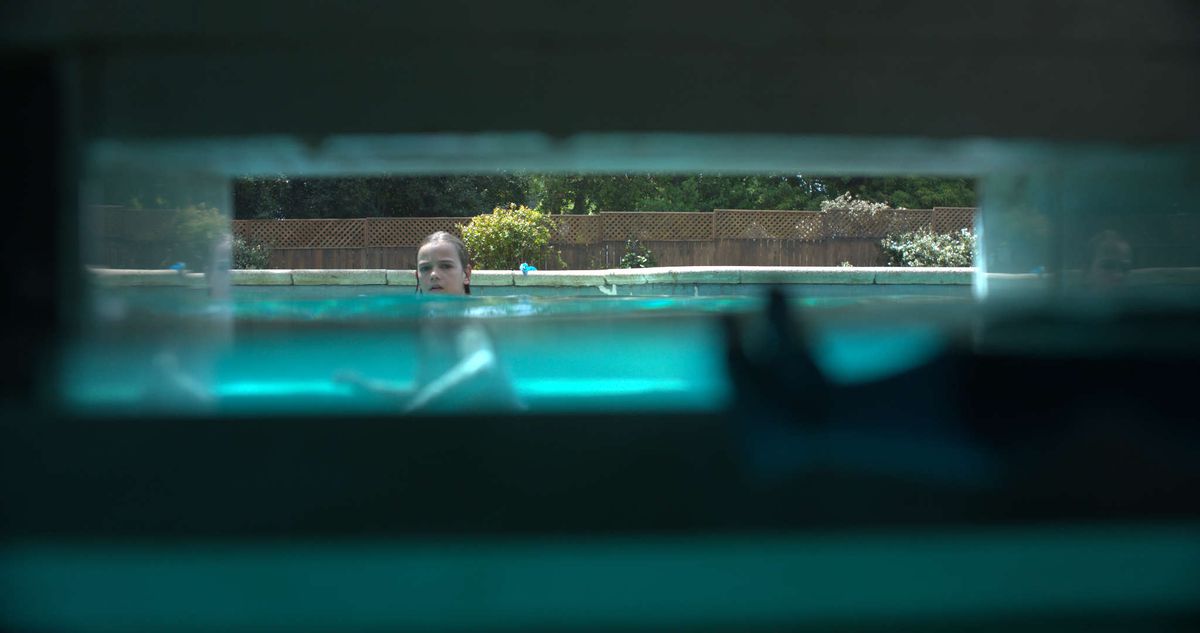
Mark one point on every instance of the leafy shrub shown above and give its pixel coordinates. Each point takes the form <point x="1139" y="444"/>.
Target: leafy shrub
<point x="508" y="236"/>
<point x="857" y="206"/>
<point x="249" y="255"/>
<point x="855" y="216"/>
<point x="637" y="256"/>
<point x="198" y="228"/>
<point x="926" y="248"/>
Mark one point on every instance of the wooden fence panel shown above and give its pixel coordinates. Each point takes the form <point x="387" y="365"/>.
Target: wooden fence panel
<point x="748" y="224"/>
<point x="857" y="252"/>
<point x="658" y="227"/>
<point x="772" y="252"/>
<point x="577" y="257"/>
<point x="725" y="237"/>
<point x="728" y="252"/>
<point x="577" y="229"/>
<point x="666" y="252"/>
<point x="390" y="257"/>
<point x="953" y="219"/>
<point x="320" y="258"/>
<point x="407" y="231"/>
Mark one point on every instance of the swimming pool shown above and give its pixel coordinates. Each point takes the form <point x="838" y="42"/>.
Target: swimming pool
<point x="287" y="349"/>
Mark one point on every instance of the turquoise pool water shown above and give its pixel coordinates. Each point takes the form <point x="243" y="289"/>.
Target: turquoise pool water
<point x="393" y="303"/>
<point x="290" y="350"/>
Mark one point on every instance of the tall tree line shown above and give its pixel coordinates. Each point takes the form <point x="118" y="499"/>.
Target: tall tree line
<point x="464" y="196"/>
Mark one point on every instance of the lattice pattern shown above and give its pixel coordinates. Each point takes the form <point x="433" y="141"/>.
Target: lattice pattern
<point x="343" y="233"/>
<point x="275" y="233"/>
<point x="666" y="227"/>
<point x="408" y="231"/>
<point x="906" y="221"/>
<point x="303" y="233"/>
<point x="810" y="226"/>
<point x="334" y="234"/>
<point x="843" y="223"/>
<point x="787" y="225"/>
<point x="577" y="229"/>
<point x="953" y="219"/>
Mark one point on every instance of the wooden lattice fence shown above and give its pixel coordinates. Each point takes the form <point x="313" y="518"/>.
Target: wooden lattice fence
<point x="578" y="229"/>
<point x="348" y="233"/>
<point x="739" y="224"/>
<point x="620" y="226"/>
<point x="953" y="219"/>
<point x="723" y="237"/>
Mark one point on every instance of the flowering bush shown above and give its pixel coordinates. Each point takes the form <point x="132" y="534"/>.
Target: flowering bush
<point x="637" y="256"/>
<point x="856" y="206"/>
<point x="926" y="248"/>
<point x="250" y="255"/>
<point x="508" y="236"/>
<point x="854" y="216"/>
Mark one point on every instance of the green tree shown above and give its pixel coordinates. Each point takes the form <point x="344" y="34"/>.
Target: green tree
<point x="375" y="196"/>
<point x="197" y="230"/>
<point x="909" y="192"/>
<point x="470" y="195"/>
<point x="586" y="194"/>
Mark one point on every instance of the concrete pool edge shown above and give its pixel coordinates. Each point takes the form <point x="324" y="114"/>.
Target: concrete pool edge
<point x="563" y="279"/>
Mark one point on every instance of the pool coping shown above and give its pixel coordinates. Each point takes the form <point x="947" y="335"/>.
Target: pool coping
<point x="557" y="278"/>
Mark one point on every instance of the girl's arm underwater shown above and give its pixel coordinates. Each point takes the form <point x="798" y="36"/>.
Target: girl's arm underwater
<point x="475" y="381"/>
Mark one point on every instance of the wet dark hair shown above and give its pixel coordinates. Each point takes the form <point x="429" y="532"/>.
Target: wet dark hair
<point x="464" y="259"/>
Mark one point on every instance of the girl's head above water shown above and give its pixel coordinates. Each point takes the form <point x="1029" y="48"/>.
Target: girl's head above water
<point x="443" y="266"/>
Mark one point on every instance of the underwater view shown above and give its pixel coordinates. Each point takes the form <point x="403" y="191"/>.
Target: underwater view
<point x="624" y="316"/>
<point x="311" y="350"/>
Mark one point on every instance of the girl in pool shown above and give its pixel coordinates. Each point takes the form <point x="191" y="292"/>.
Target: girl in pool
<point x="443" y="266"/>
<point x="458" y="366"/>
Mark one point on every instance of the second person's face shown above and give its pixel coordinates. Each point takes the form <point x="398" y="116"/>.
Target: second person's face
<point x="439" y="271"/>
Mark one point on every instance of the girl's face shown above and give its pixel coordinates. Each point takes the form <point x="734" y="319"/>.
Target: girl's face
<point x="439" y="270"/>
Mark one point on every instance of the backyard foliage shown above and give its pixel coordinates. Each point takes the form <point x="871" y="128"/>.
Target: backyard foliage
<point x="282" y="196"/>
<point x="197" y="230"/>
<point x="508" y="236"/>
<point x="857" y="215"/>
<point x="926" y="248"/>
<point x="637" y="256"/>
<point x="848" y="203"/>
<point x="250" y="255"/>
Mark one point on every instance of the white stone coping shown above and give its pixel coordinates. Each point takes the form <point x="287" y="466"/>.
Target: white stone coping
<point x="483" y="277"/>
<point x="260" y="277"/>
<point x="114" y="277"/>
<point x="401" y="277"/>
<point x="377" y="277"/>
<point x="1181" y="276"/>
<point x="937" y="276"/>
<point x="563" y="278"/>
<point x="560" y="278"/>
